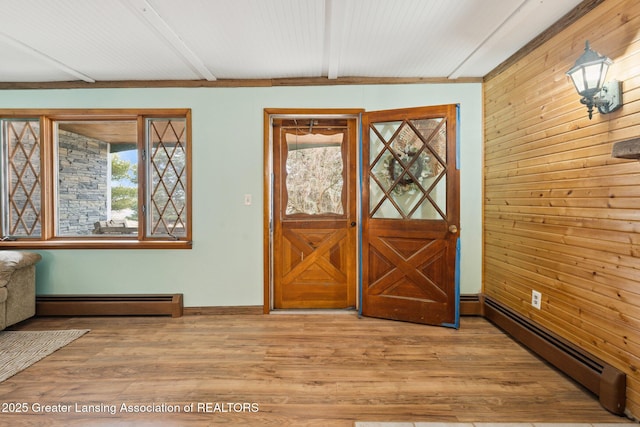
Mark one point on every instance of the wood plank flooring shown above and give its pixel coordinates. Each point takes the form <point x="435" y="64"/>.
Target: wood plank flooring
<point x="289" y="369"/>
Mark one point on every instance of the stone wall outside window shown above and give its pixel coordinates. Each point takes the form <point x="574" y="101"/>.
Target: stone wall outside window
<point x="83" y="183"/>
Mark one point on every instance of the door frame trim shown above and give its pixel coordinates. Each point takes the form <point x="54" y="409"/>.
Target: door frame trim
<point x="268" y="182"/>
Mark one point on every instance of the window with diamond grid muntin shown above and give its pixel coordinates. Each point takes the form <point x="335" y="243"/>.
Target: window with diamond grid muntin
<point x="58" y="186"/>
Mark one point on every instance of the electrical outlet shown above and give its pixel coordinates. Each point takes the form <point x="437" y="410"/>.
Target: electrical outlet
<point x="536" y="299"/>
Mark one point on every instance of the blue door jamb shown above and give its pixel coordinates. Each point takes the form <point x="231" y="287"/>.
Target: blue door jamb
<point x="456" y="323"/>
<point x="360" y="181"/>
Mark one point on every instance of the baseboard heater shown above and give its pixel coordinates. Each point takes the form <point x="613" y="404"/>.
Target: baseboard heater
<point x="110" y="305"/>
<point x="605" y="381"/>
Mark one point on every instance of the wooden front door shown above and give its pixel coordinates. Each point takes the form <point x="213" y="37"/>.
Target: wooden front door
<point x="410" y="215"/>
<point x="314" y="213"/>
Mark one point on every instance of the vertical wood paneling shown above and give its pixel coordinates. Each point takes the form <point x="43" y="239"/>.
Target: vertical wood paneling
<point x="562" y="216"/>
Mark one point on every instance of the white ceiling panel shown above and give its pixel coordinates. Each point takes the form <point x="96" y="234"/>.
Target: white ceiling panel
<point x="251" y="38"/>
<point x="413" y="37"/>
<point x="112" y="40"/>
<point x="525" y="23"/>
<point x="103" y="40"/>
<point x="18" y="64"/>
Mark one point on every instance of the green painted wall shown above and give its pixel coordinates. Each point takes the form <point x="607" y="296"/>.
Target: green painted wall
<point x="224" y="268"/>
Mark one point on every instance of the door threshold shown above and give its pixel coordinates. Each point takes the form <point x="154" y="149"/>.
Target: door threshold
<point x="314" y="311"/>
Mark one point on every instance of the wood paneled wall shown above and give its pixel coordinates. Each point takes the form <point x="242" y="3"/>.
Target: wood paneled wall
<point x="562" y="216"/>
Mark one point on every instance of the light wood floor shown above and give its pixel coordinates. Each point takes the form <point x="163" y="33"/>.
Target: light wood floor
<point x="291" y="369"/>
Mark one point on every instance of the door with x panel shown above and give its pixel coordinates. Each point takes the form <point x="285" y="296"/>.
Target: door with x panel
<point x="410" y="215"/>
<point x="314" y="213"/>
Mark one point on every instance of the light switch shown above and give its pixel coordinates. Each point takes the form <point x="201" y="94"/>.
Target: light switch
<point x="247" y="199"/>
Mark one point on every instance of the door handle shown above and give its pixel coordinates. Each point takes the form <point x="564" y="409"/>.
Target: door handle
<point x="453" y="229"/>
<point x="353" y="223"/>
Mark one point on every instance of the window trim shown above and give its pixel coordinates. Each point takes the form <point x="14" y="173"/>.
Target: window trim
<point x="48" y="119"/>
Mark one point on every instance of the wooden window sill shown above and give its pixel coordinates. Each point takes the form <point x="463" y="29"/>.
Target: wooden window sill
<point x="96" y="244"/>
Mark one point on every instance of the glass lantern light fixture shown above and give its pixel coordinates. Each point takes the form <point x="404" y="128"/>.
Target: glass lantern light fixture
<point x="588" y="74"/>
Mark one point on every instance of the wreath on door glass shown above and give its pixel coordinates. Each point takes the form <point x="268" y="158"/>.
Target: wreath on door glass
<point x="408" y="179"/>
<point x="411" y="162"/>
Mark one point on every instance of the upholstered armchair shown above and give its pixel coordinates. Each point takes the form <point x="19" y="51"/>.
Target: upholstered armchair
<point x="17" y="286"/>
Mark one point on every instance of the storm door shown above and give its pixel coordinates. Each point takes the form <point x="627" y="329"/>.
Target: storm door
<point x="314" y="213"/>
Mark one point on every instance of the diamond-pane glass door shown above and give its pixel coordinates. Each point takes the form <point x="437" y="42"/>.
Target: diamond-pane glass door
<point x="410" y="226"/>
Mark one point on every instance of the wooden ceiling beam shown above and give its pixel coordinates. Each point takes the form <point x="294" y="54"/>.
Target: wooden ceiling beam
<point x="306" y="81"/>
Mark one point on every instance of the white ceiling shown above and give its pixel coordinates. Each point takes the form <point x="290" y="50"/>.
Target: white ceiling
<point x="117" y="40"/>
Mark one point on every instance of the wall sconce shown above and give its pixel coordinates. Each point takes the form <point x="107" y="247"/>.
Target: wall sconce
<point x="588" y="75"/>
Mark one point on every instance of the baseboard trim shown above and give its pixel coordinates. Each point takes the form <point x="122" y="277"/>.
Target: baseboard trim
<point x="224" y="310"/>
<point x="168" y="304"/>
<point x="602" y="379"/>
<point x="110" y="305"/>
<point x="471" y="305"/>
